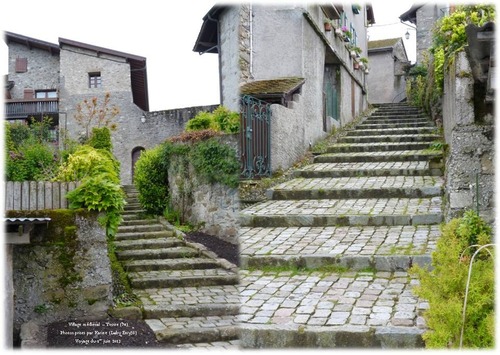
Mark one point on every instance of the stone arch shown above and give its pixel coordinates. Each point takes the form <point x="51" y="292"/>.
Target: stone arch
<point x="136" y="153"/>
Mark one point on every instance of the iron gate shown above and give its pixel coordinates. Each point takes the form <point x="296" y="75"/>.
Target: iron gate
<point x="255" y="137"/>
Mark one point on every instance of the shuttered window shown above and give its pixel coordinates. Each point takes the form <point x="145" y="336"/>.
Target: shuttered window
<point x="29" y="94"/>
<point x="21" y="65"/>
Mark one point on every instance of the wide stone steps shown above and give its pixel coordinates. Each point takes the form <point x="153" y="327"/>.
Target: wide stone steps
<point x="383" y="248"/>
<point x="381" y="156"/>
<point x="388" y="124"/>
<point x="140" y="228"/>
<point x="143" y="235"/>
<point x="134" y="221"/>
<point x="343" y="212"/>
<point x="153" y="243"/>
<point x="390" y="138"/>
<point x="170" y="264"/>
<point x="392" y="131"/>
<point x="357" y="169"/>
<point x="376" y="147"/>
<point x="358" y="187"/>
<point x="182" y="278"/>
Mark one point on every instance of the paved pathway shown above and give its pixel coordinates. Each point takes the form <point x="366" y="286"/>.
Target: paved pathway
<point x="325" y="260"/>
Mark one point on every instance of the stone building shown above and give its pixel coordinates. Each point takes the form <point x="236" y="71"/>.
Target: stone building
<point x="284" y="56"/>
<point x="424" y="16"/>
<point x="388" y="60"/>
<point x="46" y="79"/>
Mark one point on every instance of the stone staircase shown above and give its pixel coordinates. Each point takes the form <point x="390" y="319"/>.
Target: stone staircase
<point x="189" y="295"/>
<point x="324" y="261"/>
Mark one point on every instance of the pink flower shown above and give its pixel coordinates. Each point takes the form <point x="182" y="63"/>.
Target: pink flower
<point x="344" y="29"/>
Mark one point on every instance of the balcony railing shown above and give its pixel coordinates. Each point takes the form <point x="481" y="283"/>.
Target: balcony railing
<point x="27" y="108"/>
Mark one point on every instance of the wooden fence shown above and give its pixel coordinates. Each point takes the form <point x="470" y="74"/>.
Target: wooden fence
<point x="37" y="195"/>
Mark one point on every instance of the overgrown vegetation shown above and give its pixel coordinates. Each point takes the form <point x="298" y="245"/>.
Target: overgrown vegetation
<point x="221" y="119"/>
<point x="449" y="37"/>
<point x="444" y="286"/>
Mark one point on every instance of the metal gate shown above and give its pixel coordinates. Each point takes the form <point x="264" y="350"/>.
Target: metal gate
<point x="255" y="137"/>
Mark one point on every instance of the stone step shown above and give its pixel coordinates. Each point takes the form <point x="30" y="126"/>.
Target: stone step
<point x="140" y="228"/>
<point x="184" y="330"/>
<point x="139" y="221"/>
<point x="392" y="131"/>
<point x="170" y="264"/>
<point x="318" y="310"/>
<point x="358" y="187"/>
<point x="386" y="120"/>
<point x="155" y="243"/>
<point x="434" y="157"/>
<point x="132" y="206"/>
<point x="376" y="147"/>
<point x="343" y="212"/>
<point x="163" y="253"/>
<point x="390" y="138"/>
<point x="409" y="168"/>
<point x="202" y="301"/>
<point x="396" y="114"/>
<point x="381" y="248"/>
<point x="134" y="211"/>
<point x="384" y="125"/>
<point x="182" y="278"/>
<point x="143" y="235"/>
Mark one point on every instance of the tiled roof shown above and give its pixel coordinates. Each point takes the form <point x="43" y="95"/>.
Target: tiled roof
<point x="273" y="86"/>
<point x="383" y="43"/>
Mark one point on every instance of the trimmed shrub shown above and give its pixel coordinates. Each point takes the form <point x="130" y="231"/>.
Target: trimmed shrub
<point x="101" y="138"/>
<point x="221" y="119"/>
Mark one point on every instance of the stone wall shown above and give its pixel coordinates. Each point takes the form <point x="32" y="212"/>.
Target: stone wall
<point x="64" y="273"/>
<point x="469" y="132"/>
<point x="212" y="207"/>
<point x="427" y="16"/>
<point x="42" y="74"/>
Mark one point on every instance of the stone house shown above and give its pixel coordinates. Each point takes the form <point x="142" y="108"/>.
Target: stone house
<point x="51" y="79"/>
<point x="284" y="56"/>
<point x="424" y="16"/>
<point x="388" y="61"/>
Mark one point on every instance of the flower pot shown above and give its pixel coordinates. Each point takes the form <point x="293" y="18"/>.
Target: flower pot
<point x="339" y="32"/>
<point x="346" y="39"/>
<point x="356" y="65"/>
<point x="328" y="26"/>
<point x="367" y="71"/>
<point x="362" y="66"/>
<point x="353" y="54"/>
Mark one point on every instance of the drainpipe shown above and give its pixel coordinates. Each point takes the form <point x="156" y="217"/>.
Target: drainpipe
<point x="251" y="41"/>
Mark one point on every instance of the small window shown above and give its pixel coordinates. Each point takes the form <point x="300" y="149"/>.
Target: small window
<point x="95" y="80"/>
<point x="21" y="65"/>
<point x="46" y="94"/>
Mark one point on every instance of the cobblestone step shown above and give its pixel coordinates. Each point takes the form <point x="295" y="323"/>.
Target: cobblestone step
<point x="390" y="138"/>
<point x="434" y="157"/>
<point x="382" y="248"/>
<point x="170" y="264"/>
<point x="154" y="243"/>
<point x="409" y="168"/>
<point x="387" y="124"/>
<point x="182" y="278"/>
<point x="324" y="310"/>
<point x="203" y="301"/>
<point x="143" y="235"/>
<point x="194" y="329"/>
<point x="163" y="253"/>
<point x="138" y="221"/>
<point x="377" y="147"/>
<point x="358" y="187"/>
<point x="392" y="131"/>
<point x="343" y="212"/>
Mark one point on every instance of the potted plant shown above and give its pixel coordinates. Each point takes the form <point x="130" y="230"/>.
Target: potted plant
<point x="347" y="34"/>
<point x="339" y="32"/>
<point x="367" y="71"/>
<point x="355" y="52"/>
<point x="355" y="64"/>
<point x="356" y="8"/>
<point x="328" y="24"/>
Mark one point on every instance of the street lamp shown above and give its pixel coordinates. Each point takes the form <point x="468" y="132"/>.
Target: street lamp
<point x="407" y="34"/>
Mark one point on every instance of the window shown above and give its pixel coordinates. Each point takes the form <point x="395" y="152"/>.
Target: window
<point x="46" y="94"/>
<point x="95" y="80"/>
<point x="21" y="65"/>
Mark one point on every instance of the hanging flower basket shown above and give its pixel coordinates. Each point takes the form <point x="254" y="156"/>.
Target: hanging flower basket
<point x="367" y="71"/>
<point x="328" y="26"/>
<point x="356" y="65"/>
<point x="361" y="65"/>
<point x="353" y="54"/>
<point x="339" y="32"/>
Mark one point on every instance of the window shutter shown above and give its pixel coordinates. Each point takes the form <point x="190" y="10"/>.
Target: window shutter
<point x="29" y="94"/>
<point x="21" y="65"/>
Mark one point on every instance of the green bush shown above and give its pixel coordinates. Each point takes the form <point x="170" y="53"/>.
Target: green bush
<point x="101" y="138"/>
<point x="444" y="286"/>
<point x="99" y="174"/>
<point x="151" y="180"/>
<point x="221" y="119"/>
<point x="31" y="161"/>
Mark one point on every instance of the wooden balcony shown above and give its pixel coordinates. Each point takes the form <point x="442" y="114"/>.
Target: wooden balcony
<point x="16" y="109"/>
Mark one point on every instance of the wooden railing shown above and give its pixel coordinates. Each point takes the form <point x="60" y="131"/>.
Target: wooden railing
<point x="26" y="108"/>
<point x="37" y="195"/>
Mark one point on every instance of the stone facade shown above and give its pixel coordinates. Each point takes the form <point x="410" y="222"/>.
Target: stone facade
<point x="64" y="273"/>
<point x="469" y="133"/>
<point x="426" y="17"/>
<point x="387" y="82"/>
